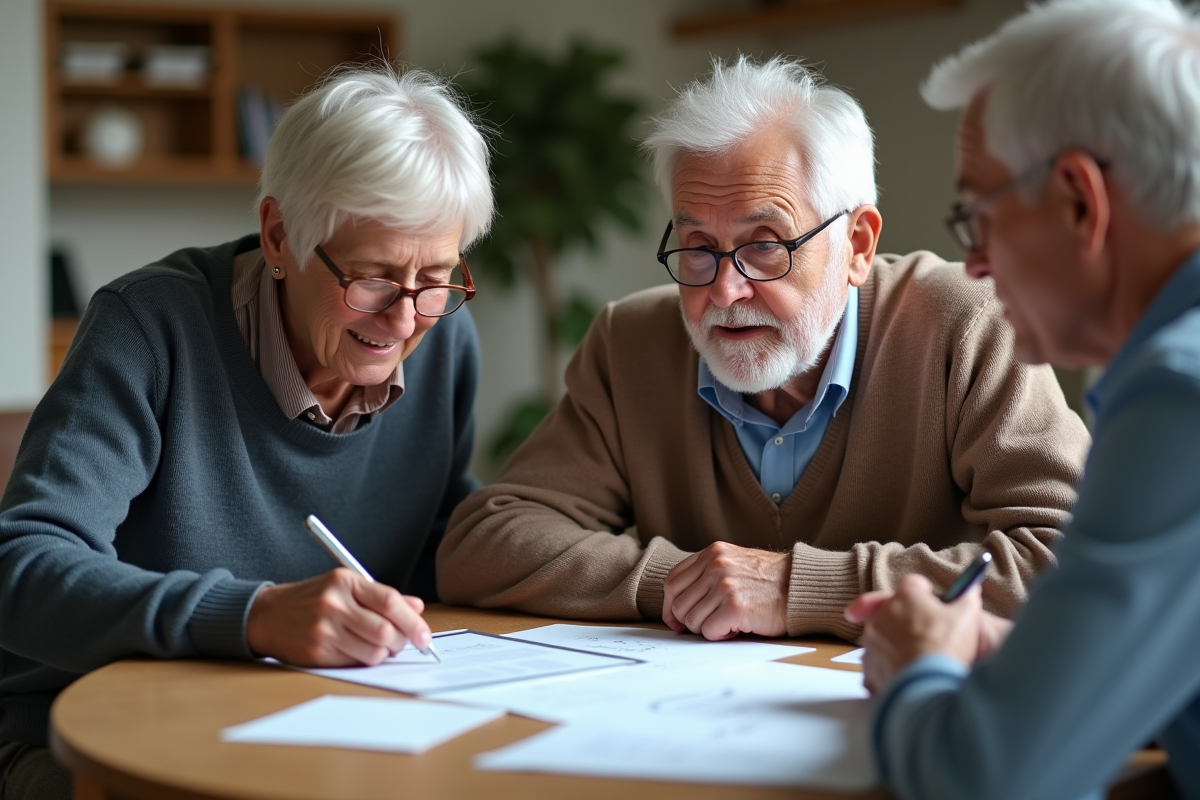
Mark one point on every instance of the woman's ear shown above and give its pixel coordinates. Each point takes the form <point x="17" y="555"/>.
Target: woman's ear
<point x="274" y="237"/>
<point x="863" y="232"/>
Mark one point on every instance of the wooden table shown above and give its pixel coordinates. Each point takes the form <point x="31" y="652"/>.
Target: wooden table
<point x="148" y="729"/>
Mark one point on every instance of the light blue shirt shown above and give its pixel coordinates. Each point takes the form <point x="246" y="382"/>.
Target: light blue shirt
<point x="1105" y="655"/>
<point x="777" y="454"/>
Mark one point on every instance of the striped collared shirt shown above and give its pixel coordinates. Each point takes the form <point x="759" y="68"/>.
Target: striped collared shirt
<point x="256" y="307"/>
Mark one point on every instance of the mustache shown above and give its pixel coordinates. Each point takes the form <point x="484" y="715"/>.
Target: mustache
<point x="738" y="316"/>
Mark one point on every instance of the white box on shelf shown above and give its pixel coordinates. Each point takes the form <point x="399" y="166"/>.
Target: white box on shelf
<point x="93" y="62"/>
<point x="176" y="65"/>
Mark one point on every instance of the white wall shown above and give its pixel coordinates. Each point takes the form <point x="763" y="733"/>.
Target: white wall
<point x="23" y="272"/>
<point x="110" y="230"/>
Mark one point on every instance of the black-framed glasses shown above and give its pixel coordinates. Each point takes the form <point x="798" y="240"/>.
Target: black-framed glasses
<point x="758" y="261"/>
<point x="964" y="222"/>
<point x="372" y="295"/>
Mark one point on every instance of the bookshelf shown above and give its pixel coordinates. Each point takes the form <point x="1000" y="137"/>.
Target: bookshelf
<point x="189" y="130"/>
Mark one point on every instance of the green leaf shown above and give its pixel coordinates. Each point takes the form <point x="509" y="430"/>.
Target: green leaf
<point x="565" y="158"/>
<point x="574" y="319"/>
<point x="522" y="418"/>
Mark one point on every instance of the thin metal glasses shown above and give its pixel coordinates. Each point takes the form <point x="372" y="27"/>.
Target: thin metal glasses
<point x="372" y="295"/>
<point x="758" y="261"/>
<point x="964" y="222"/>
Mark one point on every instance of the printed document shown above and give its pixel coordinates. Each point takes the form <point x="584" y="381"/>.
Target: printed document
<point x="670" y="659"/>
<point x="471" y="658"/>
<point x="658" y="646"/>
<point x="363" y="723"/>
<point x="757" y="724"/>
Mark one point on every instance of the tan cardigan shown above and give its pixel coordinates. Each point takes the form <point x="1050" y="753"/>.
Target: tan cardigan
<point x="945" y="444"/>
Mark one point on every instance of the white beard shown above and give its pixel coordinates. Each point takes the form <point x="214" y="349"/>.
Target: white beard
<point x="772" y="360"/>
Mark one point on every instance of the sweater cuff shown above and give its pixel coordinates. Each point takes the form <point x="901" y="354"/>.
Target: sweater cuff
<point x="822" y="584"/>
<point x="661" y="557"/>
<point x="218" y="624"/>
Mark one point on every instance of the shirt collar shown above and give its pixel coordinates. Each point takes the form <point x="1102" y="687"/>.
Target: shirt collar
<point x="1178" y="294"/>
<point x="834" y="384"/>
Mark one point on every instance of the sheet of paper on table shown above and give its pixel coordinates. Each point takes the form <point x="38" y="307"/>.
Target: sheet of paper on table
<point x="764" y="724"/>
<point x="658" y="646"/>
<point x="471" y="658"/>
<point x="363" y="723"/>
<point x="853" y="657"/>
<point x="671" y="659"/>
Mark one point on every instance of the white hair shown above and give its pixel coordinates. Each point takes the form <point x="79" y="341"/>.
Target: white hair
<point x="377" y="143"/>
<point x="1117" y="78"/>
<point x="744" y="98"/>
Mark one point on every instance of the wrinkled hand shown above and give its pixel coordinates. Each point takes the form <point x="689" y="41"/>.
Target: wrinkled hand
<point x="911" y="622"/>
<point x="724" y="590"/>
<point x="338" y="619"/>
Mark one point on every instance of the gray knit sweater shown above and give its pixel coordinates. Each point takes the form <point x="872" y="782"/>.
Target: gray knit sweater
<point x="159" y="485"/>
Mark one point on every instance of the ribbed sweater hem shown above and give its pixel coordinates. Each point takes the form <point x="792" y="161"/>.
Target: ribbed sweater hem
<point x="822" y="583"/>
<point x="218" y="624"/>
<point x="661" y="558"/>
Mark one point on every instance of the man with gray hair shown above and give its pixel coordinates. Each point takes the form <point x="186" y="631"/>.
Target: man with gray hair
<point x="820" y="421"/>
<point x="1079" y="167"/>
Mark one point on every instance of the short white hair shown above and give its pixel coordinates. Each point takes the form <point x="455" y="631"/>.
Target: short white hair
<point x="742" y="99"/>
<point x="381" y="144"/>
<point x="1119" y="79"/>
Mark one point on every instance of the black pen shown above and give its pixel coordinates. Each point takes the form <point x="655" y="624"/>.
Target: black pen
<point x="344" y="557"/>
<point x="970" y="576"/>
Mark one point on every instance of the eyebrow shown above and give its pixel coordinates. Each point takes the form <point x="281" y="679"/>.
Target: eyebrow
<point x="683" y="218"/>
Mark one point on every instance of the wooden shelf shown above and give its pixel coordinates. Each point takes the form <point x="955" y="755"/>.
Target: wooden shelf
<point x="162" y="170"/>
<point x="192" y="135"/>
<point x="132" y="85"/>
<point x="793" y="15"/>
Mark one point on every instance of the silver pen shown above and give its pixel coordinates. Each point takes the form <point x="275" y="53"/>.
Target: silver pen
<point x="347" y="560"/>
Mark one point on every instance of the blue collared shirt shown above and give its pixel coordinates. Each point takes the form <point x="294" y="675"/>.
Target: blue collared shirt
<point x="1104" y="655"/>
<point x="778" y="455"/>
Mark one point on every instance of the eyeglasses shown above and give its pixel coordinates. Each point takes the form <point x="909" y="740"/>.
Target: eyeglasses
<point x="758" y="261"/>
<point x="372" y="295"/>
<point x="964" y="222"/>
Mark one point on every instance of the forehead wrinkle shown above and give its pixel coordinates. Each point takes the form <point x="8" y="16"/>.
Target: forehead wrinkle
<point x="766" y="213"/>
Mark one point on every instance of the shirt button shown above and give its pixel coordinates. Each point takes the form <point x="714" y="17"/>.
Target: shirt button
<point x="775" y="497"/>
<point x="778" y="440"/>
<point x="311" y="415"/>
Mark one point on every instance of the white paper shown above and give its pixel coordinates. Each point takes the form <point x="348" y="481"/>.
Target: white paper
<point x="672" y="660"/>
<point x="659" y="646"/>
<point x="762" y="724"/>
<point x="363" y="723"/>
<point x="853" y="657"/>
<point x="470" y="658"/>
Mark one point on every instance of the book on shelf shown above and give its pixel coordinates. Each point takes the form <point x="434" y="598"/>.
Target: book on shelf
<point x="258" y="114"/>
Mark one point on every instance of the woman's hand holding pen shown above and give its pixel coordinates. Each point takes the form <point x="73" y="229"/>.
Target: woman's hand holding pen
<point x="334" y="620"/>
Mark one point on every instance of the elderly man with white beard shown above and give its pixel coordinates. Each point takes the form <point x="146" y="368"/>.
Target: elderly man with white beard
<point x="799" y="422"/>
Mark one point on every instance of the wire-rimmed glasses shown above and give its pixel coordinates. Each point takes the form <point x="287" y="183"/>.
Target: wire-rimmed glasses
<point x="758" y="261"/>
<point x="372" y="295"/>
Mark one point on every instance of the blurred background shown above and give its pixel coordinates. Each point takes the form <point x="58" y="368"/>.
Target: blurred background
<point x="130" y="131"/>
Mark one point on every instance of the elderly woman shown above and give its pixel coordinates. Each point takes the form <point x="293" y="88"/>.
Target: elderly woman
<point x="215" y="398"/>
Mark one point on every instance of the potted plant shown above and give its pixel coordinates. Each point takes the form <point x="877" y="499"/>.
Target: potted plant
<point x="565" y="161"/>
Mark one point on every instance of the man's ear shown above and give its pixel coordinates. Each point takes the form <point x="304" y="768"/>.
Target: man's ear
<point x="274" y="237"/>
<point x="1083" y="199"/>
<point x="863" y="233"/>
